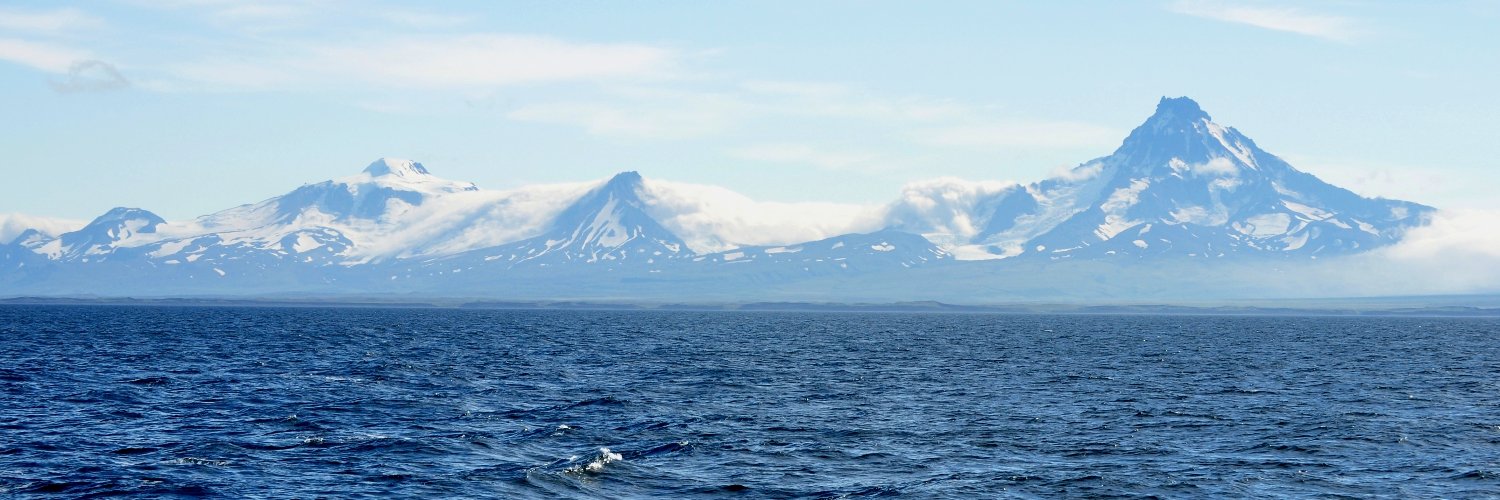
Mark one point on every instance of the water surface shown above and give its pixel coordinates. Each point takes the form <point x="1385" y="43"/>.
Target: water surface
<point x="304" y="402"/>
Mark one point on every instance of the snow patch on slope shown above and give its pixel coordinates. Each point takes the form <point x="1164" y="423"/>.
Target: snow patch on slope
<point x="1116" y="206"/>
<point x="1264" y="225"/>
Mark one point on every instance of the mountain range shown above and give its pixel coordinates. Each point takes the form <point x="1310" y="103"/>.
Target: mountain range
<point x="1180" y="188"/>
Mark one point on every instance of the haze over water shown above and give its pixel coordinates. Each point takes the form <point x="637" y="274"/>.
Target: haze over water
<point x="288" y="402"/>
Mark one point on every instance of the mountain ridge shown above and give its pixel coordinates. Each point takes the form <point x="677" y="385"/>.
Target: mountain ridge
<point x="1180" y="186"/>
<point x="1198" y="180"/>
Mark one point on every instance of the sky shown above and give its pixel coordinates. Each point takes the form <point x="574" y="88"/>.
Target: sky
<point x="187" y="107"/>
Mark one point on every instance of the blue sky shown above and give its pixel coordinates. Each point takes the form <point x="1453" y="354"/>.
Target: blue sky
<point x="185" y="107"/>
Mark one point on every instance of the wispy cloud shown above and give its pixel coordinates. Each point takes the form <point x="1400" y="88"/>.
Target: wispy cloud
<point x="432" y="61"/>
<point x="1404" y="182"/>
<point x="255" y="45"/>
<point x="255" y="16"/>
<point x="280" y="16"/>
<point x="489" y="59"/>
<point x="822" y="126"/>
<point x="631" y="122"/>
<point x="419" y="19"/>
<point x="47" y="21"/>
<point x="803" y="154"/>
<point x="822" y="99"/>
<point x="1288" y="19"/>
<point x="13" y="224"/>
<point x="1020" y="134"/>
<point x="44" y="56"/>
<point x="672" y="111"/>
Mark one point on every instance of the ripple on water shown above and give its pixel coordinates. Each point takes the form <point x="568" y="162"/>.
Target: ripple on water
<point x="235" y="402"/>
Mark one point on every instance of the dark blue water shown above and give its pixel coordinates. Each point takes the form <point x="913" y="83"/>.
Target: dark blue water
<point x="280" y="403"/>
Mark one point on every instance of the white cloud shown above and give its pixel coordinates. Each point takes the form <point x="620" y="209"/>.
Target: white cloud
<point x="49" y="21"/>
<point x="469" y="220"/>
<point x="1077" y="174"/>
<point x="863" y="106"/>
<point x="447" y="222"/>
<point x="1020" y="134"/>
<point x="419" y="19"/>
<point x="257" y="16"/>
<point x="1292" y="20"/>
<point x="802" y="154"/>
<point x="13" y="224"/>
<point x="40" y="55"/>
<point x="487" y="59"/>
<point x="1463" y="234"/>
<point x="432" y="61"/>
<point x="712" y="218"/>
<point x="630" y="122"/>
<point x="832" y="100"/>
<point x="673" y="113"/>
<point x="1217" y="167"/>
<point x="229" y="74"/>
<point x="1458" y="252"/>
<point x="1417" y="184"/>
<point x="259" y="11"/>
<point x="946" y="208"/>
<point x="800" y="89"/>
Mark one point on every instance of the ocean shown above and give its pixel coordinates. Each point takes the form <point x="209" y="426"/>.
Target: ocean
<point x="368" y="402"/>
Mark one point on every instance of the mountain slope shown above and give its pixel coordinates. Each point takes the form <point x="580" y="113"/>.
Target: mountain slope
<point x="1183" y="186"/>
<point x="1180" y="191"/>
<point x="845" y="253"/>
<point x="608" y="226"/>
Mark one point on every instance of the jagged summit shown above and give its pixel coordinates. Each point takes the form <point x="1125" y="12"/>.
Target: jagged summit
<point x="1178" y="108"/>
<point x="386" y="186"/>
<point x="1180" y="131"/>
<point x="1179" y="187"/>
<point x="608" y="225"/>
<point x="1182" y="186"/>
<point x="397" y="168"/>
<point x="624" y="185"/>
<point x="627" y="178"/>
<point x="121" y="214"/>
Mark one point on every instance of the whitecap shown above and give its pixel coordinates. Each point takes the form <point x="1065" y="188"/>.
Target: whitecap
<point x="605" y="457"/>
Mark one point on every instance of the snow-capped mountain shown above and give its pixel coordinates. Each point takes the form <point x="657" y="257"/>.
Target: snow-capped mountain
<point x="99" y="238"/>
<point x="13" y="225"/>
<point x="1180" y="185"/>
<point x="608" y="225"/>
<point x="393" y="208"/>
<point x="1180" y="188"/>
<point x="384" y="190"/>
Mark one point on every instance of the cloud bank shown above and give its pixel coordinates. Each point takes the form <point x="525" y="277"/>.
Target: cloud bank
<point x="712" y="218"/>
<point x="13" y="224"/>
<point x="1458" y="252"/>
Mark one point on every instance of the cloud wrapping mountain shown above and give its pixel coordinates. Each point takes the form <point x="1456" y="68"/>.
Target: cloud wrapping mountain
<point x="1181" y="188"/>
